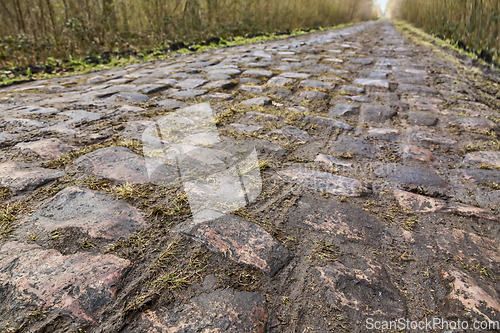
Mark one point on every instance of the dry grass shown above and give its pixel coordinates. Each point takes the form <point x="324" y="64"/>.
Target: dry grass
<point x="129" y="191"/>
<point x="410" y="224"/>
<point x="68" y="158"/>
<point x="65" y="159"/>
<point x="4" y="193"/>
<point x="325" y="251"/>
<point x="172" y="277"/>
<point x="492" y="185"/>
<point x="7" y="218"/>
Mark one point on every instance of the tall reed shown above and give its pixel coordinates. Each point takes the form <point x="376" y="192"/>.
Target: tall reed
<point x="475" y="23"/>
<point x="33" y="30"/>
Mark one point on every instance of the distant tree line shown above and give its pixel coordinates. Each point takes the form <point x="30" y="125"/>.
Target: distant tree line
<point x="33" y="30"/>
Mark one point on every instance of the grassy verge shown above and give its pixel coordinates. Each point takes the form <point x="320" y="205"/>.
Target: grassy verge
<point x="80" y="66"/>
<point x="425" y="39"/>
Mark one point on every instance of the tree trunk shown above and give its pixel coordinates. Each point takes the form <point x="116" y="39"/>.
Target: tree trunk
<point x="20" y="17"/>
<point x="42" y="18"/>
<point x="109" y="13"/>
<point x="7" y="13"/>
<point x="52" y="19"/>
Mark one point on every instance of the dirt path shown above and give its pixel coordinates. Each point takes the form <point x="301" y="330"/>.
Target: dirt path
<point x="302" y="185"/>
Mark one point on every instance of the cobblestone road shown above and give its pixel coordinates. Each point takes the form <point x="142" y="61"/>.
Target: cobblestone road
<point x="369" y="167"/>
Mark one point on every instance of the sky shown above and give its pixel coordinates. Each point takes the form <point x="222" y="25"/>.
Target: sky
<point x="382" y="3"/>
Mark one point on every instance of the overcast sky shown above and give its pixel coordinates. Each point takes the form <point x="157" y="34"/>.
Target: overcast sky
<point x="382" y="4"/>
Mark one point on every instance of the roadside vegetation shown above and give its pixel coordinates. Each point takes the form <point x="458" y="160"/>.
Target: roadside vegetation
<point x="54" y="68"/>
<point x="47" y="35"/>
<point x="472" y="25"/>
